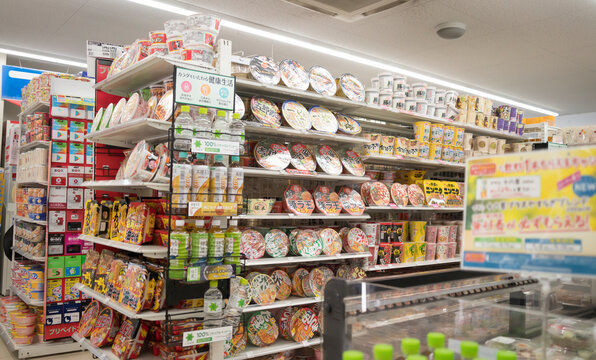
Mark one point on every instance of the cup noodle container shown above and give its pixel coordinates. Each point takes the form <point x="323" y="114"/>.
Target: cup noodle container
<point x="174" y="27"/>
<point x="401" y="146"/>
<point x="440" y="111"/>
<point x="421" y="106"/>
<point x="410" y="104"/>
<point x="202" y="54"/>
<point x="194" y="37"/>
<point x="423" y="150"/>
<point x="436" y="134"/>
<point x="440" y="96"/>
<point x="399" y="83"/>
<point x="422" y="131"/>
<point x="203" y="22"/>
<point x="448" y="135"/>
<point x="417" y="231"/>
<point x="431" y="92"/>
<point x="159" y="49"/>
<point x="374" y="253"/>
<point x="372" y="148"/>
<point x="458" y="155"/>
<point x="447" y="153"/>
<point x="492" y="145"/>
<point x="174" y="45"/>
<point x="430" y="109"/>
<point x="450" y="97"/>
<point x="419" y="90"/>
<point x="435" y="152"/>
<point x="399" y="101"/>
<point x="387" y="145"/>
<point x="501" y="146"/>
<point x="481" y="144"/>
<point x="386" y="81"/>
<point x="385" y="98"/>
<point x="384" y="253"/>
<point x="372" y="96"/>
<point x="413" y="148"/>
<point x="468" y="141"/>
<point x="431" y="249"/>
<point x="157" y="37"/>
<point x="431" y="233"/>
<point x="443" y="233"/>
<point x="453" y="233"/>
<point x="374" y="83"/>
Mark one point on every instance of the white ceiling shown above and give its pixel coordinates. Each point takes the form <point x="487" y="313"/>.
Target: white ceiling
<point x="542" y="52"/>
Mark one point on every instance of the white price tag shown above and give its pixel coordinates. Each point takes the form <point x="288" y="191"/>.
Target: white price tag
<point x="193" y="274"/>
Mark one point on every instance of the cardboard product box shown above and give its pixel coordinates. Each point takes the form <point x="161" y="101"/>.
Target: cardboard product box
<point x="55" y="267"/>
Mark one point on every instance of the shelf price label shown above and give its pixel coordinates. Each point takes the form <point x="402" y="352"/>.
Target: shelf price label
<point x="210" y="146"/>
<point x="200" y="88"/>
<point x="198" y="337"/>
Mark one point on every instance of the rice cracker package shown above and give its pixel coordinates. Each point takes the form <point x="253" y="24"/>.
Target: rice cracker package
<point x="130" y="338"/>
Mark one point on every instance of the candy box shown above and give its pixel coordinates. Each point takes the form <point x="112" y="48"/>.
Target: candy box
<point x="130" y="338"/>
<point x="397" y="252"/>
<point x="384" y="253"/>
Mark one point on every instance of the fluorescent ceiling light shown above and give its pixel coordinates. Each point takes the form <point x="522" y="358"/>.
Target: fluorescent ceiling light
<point x="43" y="58"/>
<point x="346" y="56"/>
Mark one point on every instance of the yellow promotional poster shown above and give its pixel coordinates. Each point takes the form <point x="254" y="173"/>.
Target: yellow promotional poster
<point x="212" y="209"/>
<point x="533" y="211"/>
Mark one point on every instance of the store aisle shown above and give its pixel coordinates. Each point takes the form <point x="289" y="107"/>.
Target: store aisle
<point x="7" y="355"/>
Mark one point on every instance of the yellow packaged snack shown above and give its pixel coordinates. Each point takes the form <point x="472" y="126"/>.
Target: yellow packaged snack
<point x="414" y="175"/>
<point x="123" y="212"/>
<point x="114" y="219"/>
<point x="433" y="192"/>
<point x="451" y="194"/>
<point x="409" y="252"/>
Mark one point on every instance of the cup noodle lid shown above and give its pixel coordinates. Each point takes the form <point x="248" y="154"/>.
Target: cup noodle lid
<point x="308" y="243"/>
<point x="352" y="87"/>
<point x="399" y="194"/>
<point x="264" y="70"/>
<point x="272" y="156"/>
<point x="353" y="240"/>
<point x="262" y="328"/>
<point x="328" y="160"/>
<point x="252" y="244"/>
<point x="296" y="115"/>
<point x="263" y="289"/>
<point x="304" y="324"/>
<point x="88" y="318"/>
<point x="378" y="194"/>
<point x="284" y="317"/>
<point x="283" y="284"/>
<point x="293" y="74"/>
<point x="297" y="277"/>
<point x="321" y="81"/>
<point x="348" y="125"/>
<point x="302" y="158"/>
<point x="352" y="162"/>
<point x="327" y="201"/>
<point x="351" y="201"/>
<point x="415" y="195"/>
<point x="105" y="328"/>
<point x="331" y="241"/>
<point x="265" y="111"/>
<point x="323" y="120"/>
<point x="277" y="243"/>
<point x="298" y="201"/>
<point x="237" y="343"/>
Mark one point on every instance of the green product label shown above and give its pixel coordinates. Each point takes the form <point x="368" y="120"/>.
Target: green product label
<point x="199" y="243"/>
<point x="232" y="244"/>
<point x="179" y="244"/>
<point x="216" y="244"/>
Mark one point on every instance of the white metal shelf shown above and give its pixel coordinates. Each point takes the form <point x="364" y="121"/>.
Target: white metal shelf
<point x="38" y="106"/>
<point x="26" y="219"/>
<point x="127" y="135"/>
<point x="152" y="251"/>
<point x="252" y="128"/>
<point x="264" y="173"/>
<point x="37" y="349"/>
<point x="281" y="216"/>
<point x="413" y="208"/>
<point x="33" y="145"/>
<point x="125" y="185"/>
<point x="105" y="353"/>
<point x="26" y="255"/>
<point x="143" y="315"/>
<point x="279" y="346"/>
<point x="291" y="301"/>
<point x="414" y="162"/>
<point x="33" y="183"/>
<point x="303" y="259"/>
<point x="252" y="87"/>
<point x="25" y="298"/>
<point x="413" y="264"/>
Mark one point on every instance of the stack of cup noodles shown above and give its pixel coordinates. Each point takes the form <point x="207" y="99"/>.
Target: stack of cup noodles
<point x="408" y="241"/>
<point x="37" y="127"/>
<point x="487" y="145"/>
<point x="191" y="39"/>
<point x="432" y="142"/>
<point x="478" y="111"/>
<point x="38" y="88"/>
<point x="391" y="91"/>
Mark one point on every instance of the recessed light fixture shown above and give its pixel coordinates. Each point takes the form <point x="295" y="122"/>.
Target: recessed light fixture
<point x="43" y="58"/>
<point x="345" y="55"/>
<point x="450" y="30"/>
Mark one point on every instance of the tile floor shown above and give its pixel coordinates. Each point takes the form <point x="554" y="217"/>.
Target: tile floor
<point x="6" y="355"/>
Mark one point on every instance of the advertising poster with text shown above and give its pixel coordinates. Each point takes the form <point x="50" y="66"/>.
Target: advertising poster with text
<point x="533" y="211"/>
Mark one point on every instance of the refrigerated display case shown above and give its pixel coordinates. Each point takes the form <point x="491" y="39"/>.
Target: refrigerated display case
<point x="538" y="319"/>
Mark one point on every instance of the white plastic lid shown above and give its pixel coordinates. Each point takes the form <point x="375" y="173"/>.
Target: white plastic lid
<point x="399" y="95"/>
<point x="419" y="84"/>
<point x="372" y="90"/>
<point x="399" y="76"/>
<point x="386" y="91"/>
<point x="385" y="74"/>
<point x="431" y="87"/>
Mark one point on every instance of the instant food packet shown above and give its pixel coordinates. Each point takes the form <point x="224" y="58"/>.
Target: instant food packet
<point x="114" y="220"/>
<point x="130" y="339"/>
<point x="88" y="318"/>
<point x="89" y="267"/>
<point x="159" y="295"/>
<point x="105" y="211"/>
<point x="121" y="228"/>
<point x="140" y="223"/>
<point x="106" y="327"/>
<point x="91" y="218"/>
<point x="116" y="276"/>
<point x="100" y="280"/>
<point x="433" y="192"/>
<point x="134" y="286"/>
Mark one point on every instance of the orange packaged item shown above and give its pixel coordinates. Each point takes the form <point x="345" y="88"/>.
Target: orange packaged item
<point x="327" y="201"/>
<point x="105" y="328"/>
<point x="134" y="287"/>
<point x="101" y="273"/>
<point x="298" y="201"/>
<point x="116" y="276"/>
<point x="130" y="338"/>
<point x="140" y="223"/>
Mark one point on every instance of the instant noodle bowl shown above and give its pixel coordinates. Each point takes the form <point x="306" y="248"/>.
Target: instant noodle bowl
<point x="398" y="101"/>
<point x="441" y="111"/>
<point x="332" y="244"/>
<point x="204" y="22"/>
<point x="379" y="194"/>
<point x="299" y="275"/>
<point x="419" y="90"/>
<point x="272" y="156"/>
<point x="421" y="106"/>
<point x="450" y="97"/>
<point x="157" y="37"/>
<point x="284" y="318"/>
<point x="374" y="82"/>
<point x="431" y="234"/>
<point x="386" y="98"/>
<point x="399" y="194"/>
<point x="252" y="244"/>
<point x="326" y="200"/>
<point x="97" y="119"/>
<point x="277" y="243"/>
<point x="265" y="112"/>
<point x="201" y="54"/>
<point x="304" y="324"/>
<point x="436" y="152"/>
<point x="387" y="145"/>
<point x="443" y="233"/>
<point x="237" y="343"/>
<point x="263" y="289"/>
<point x="283" y="283"/>
<point x="262" y="328"/>
<point x="105" y="328"/>
<point x="328" y="160"/>
<point x="174" y="27"/>
<point x="163" y="110"/>
<point x="420" y="251"/>
<point x="321" y="81"/>
<point x="401" y="146"/>
<point x="417" y="231"/>
<point x="422" y="131"/>
<point x="135" y="108"/>
<point x="423" y="150"/>
<point x="239" y="107"/>
<point x="348" y="125"/>
<point x="354" y="240"/>
<point x="88" y="318"/>
<point x="264" y="70"/>
<point x="372" y="96"/>
<point x="440" y="96"/>
<point x="296" y="115"/>
<point x="298" y="201"/>
<point x="293" y="74"/>
<point x="323" y="120"/>
<point x="117" y="113"/>
<point x="451" y="249"/>
<point x="430" y="94"/>
<point x="174" y="45"/>
<point x="302" y="158"/>
<point x="447" y="153"/>
<point x="397" y="252"/>
<point x="409" y="252"/>
<point x="151" y="104"/>
<point x="308" y="243"/>
<point x="384" y="253"/>
<point x="441" y="252"/>
<point x="448" y="135"/>
<point x="399" y="83"/>
<point x="386" y="81"/>
<point x="372" y="147"/>
<point x="431" y="249"/>
<point x="459" y="137"/>
<point x="452" y="233"/>
<point x="410" y="104"/>
<point x="349" y="86"/>
<point x="317" y="280"/>
<point x="351" y="201"/>
<point x="415" y="195"/>
<point x="352" y="162"/>
<point x="196" y="37"/>
<point x="142" y="164"/>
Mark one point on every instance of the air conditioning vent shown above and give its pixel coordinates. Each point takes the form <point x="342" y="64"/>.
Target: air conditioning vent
<point x="349" y="10"/>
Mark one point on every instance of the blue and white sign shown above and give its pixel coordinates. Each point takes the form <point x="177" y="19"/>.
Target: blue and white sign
<point x="14" y="78"/>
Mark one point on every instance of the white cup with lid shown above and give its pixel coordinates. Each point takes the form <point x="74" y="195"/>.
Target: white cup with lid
<point x="410" y="104"/>
<point x="440" y="96"/>
<point x="399" y="101"/>
<point x="430" y="94"/>
<point x="421" y="106"/>
<point x="374" y="83"/>
<point x="399" y="83"/>
<point x="430" y="109"/>
<point x="386" y="98"/>
<point x="419" y="90"/>
<point x="372" y="96"/>
<point x="450" y="97"/>
<point x="440" y="111"/>
<point x="386" y="81"/>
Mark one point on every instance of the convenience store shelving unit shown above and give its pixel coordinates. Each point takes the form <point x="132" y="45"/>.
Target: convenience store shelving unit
<point x="25" y="298"/>
<point x="150" y="251"/>
<point x="28" y="256"/>
<point x="412" y="208"/>
<point x="38" y="349"/>
<point x="303" y="259"/>
<point x="413" y="264"/>
<point x="279" y="346"/>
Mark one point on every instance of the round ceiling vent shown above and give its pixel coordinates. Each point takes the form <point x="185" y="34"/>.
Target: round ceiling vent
<point x="450" y="30"/>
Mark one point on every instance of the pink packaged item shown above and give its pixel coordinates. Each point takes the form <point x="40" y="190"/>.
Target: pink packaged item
<point x="431" y="249"/>
<point x="443" y="234"/>
<point x="451" y="247"/>
<point x="452" y="233"/>
<point x="441" y="251"/>
<point x="431" y="234"/>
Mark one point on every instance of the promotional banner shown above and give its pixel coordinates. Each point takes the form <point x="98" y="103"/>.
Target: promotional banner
<point x="15" y="78"/>
<point x="533" y="211"/>
<point x="204" y="89"/>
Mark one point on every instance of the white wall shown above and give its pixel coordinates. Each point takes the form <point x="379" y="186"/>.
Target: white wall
<point x="576" y="120"/>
